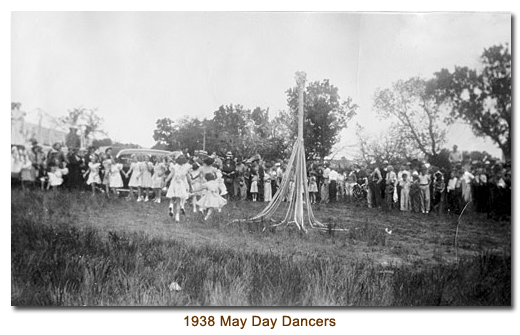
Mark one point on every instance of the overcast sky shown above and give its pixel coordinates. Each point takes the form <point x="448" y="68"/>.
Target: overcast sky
<point x="137" y="67"/>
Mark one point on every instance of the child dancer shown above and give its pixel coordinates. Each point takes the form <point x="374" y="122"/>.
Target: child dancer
<point x="211" y="199"/>
<point x="254" y="186"/>
<point x="146" y="176"/>
<point x="93" y="176"/>
<point x="196" y="183"/>
<point x="178" y="186"/>
<point x="135" y="179"/>
<point x="159" y="171"/>
<point x="107" y="165"/>
<point x="115" y="176"/>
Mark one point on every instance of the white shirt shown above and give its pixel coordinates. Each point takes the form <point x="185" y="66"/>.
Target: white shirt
<point x="467" y="176"/>
<point x="333" y="175"/>
<point x="326" y="173"/>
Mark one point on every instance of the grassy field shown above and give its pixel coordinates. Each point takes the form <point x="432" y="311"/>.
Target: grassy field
<point x="69" y="249"/>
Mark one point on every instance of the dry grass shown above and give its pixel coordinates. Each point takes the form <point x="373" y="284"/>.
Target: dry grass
<point x="70" y="249"/>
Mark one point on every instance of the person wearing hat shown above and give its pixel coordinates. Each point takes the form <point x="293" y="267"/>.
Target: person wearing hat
<point x="72" y="139"/>
<point x="75" y="177"/>
<point x="229" y="174"/>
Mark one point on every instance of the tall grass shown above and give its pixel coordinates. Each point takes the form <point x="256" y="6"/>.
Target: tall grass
<point x="55" y="263"/>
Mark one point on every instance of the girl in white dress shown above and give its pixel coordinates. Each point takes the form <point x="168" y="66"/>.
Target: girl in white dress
<point x="56" y="174"/>
<point x="135" y="179"/>
<point x="93" y="176"/>
<point x="254" y="187"/>
<point x="146" y="173"/>
<point x="115" y="176"/>
<point x="211" y="199"/>
<point x="196" y="181"/>
<point x="178" y="188"/>
<point x="159" y="171"/>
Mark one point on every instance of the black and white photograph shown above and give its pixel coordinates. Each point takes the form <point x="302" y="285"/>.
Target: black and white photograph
<point x="263" y="159"/>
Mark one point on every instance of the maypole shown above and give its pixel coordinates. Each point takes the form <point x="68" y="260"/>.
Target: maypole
<point x="294" y="188"/>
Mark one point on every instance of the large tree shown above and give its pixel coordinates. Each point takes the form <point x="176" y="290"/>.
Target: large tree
<point x="185" y="133"/>
<point x="389" y="145"/>
<point x="86" y="120"/>
<point x="413" y="105"/>
<point x="325" y="115"/>
<point x="482" y="97"/>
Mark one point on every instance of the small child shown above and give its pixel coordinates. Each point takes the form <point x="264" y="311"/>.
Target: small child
<point x="178" y="189"/>
<point x="220" y="180"/>
<point x="93" y="177"/>
<point x="146" y="168"/>
<point x="211" y="199"/>
<point x="195" y="178"/>
<point x="107" y="167"/>
<point x="115" y="176"/>
<point x="254" y="187"/>
<point x="135" y="179"/>
<point x="313" y="188"/>
<point x="159" y="172"/>
<point x="56" y="175"/>
<point x="243" y="188"/>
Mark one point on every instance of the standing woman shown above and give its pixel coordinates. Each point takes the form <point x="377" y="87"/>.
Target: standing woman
<point x="178" y="186"/>
<point x="75" y="178"/>
<point x="135" y="179"/>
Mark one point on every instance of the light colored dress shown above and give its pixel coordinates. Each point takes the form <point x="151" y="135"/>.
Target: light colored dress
<point x="146" y="174"/>
<point x="254" y="185"/>
<point x="107" y="166"/>
<point x="93" y="176"/>
<point x="313" y="187"/>
<point x="158" y="175"/>
<point x="115" y="175"/>
<point x="179" y="184"/>
<point x="56" y="176"/>
<point x="196" y="180"/>
<point x="135" y="179"/>
<point x="211" y="199"/>
<point x="268" y="193"/>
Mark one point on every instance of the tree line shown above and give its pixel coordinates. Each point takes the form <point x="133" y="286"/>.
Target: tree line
<point x="418" y="110"/>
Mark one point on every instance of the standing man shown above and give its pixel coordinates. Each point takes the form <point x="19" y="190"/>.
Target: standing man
<point x="455" y="157"/>
<point x="229" y="173"/>
<point x="325" y="184"/>
<point x="333" y="187"/>
<point x="72" y="140"/>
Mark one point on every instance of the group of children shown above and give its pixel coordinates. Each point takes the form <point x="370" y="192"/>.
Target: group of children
<point x="182" y="180"/>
